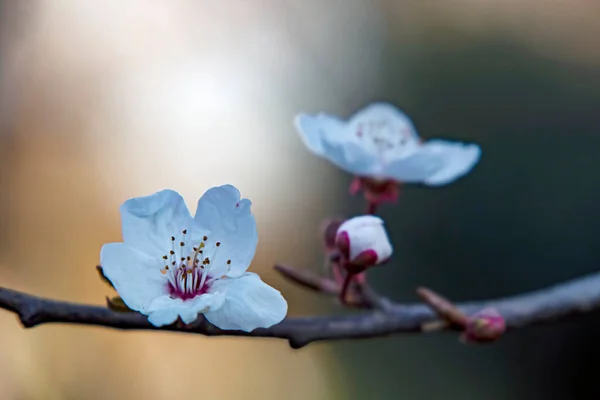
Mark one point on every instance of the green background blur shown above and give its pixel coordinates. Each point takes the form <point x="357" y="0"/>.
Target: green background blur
<point x="102" y="101"/>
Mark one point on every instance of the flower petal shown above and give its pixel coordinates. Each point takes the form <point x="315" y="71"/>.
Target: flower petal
<point x="230" y="221"/>
<point x="250" y="303"/>
<point x="150" y="221"/>
<point x="134" y="275"/>
<point x="329" y="137"/>
<point x="458" y="158"/>
<point x="420" y="165"/>
<point x="165" y="310"/>
<point x="313" y="129"/>
<point x="350" y="156"/>
<point x="344" y="144"/>
<point x="384" y="112"/>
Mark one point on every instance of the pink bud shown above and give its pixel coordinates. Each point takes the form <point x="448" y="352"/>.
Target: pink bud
<point x="363" y="242"/>
<point x="486" y="325"/>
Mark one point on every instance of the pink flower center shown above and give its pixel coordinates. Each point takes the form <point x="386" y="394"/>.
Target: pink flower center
<point x="186" y="283"/>
<point x="188" y="275"/>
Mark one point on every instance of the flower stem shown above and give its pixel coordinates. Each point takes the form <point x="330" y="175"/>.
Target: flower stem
<point x="337" y="273"/>
<point x="345" y="287"/>
<point x="371" y="207"/>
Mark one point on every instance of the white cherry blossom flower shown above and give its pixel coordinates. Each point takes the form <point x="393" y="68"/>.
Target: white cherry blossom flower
<point x="172" y="265"/>
<point x="380" y="143"/>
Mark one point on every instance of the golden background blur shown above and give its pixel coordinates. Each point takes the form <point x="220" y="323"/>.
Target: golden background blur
<point x="103" y="101"/>
<point x="112" y="100"/>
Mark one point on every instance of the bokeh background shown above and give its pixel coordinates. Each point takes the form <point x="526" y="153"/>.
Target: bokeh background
<point x="103" y="101"/>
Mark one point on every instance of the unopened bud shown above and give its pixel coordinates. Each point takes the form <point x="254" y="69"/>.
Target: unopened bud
<point x="485" y="326"/>
<point x="329" y="230"/>
<point x="363" y="242"/>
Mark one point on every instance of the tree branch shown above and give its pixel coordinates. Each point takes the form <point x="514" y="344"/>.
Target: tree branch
<point x="574" y="297"/>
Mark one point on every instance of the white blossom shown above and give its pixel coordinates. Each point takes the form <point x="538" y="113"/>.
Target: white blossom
<point x="172" y="265"/>
<point x="381" y="142"/>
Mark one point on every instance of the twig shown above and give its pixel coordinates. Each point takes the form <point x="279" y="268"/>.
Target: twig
<point x="371" y="299"/>
<point x="361" y="296"/>
<point x="443" y="307"/>
<point x="309" y="280"/>
<point x="345" y="286"/>
<point x="574" y="297"/>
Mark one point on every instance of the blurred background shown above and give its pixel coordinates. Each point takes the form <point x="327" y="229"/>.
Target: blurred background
<point x="103" y="101"/>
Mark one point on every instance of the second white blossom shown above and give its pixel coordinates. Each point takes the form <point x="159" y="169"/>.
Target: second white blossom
<point x="381" y="143"/>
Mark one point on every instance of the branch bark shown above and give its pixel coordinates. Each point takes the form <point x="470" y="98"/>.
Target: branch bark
<point x="566" y="299"/>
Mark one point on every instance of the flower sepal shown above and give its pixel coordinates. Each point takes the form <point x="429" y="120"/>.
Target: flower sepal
<point x="376" y="191"/>
<point x="103" y="278"/>
<point x="117" y="304"/>
<point x="328" y="231"/>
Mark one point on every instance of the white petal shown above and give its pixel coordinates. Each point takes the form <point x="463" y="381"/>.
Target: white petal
<point x="230" y="221"/>
<point x="250" y="303"/>
<point x="351" y="156"/>
<point x="165" y="310"/>
<point x="458" y="158"/>
<point x="150" y="221"/>
<point x="329" y="137"/>
<point x="385" y="112"/>
<point x="162" y="317"/>
<point x="313" y="129"/>
<point x="135" y="275"/>
<point x="360" y="222"/>
<point x="420" y="165"/>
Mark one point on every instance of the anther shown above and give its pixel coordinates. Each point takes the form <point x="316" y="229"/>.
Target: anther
<point x="165" y="257"/>
<point x="184" y="231"/>
<point x="172" y="238"/>
<point x="182" y="258"/>
<point x="228" y="262"/>
<point x="171" y="252"/>
<point x="218" y="244"/>
<point x="205" y="238"/>
<point x="182" y="244"/>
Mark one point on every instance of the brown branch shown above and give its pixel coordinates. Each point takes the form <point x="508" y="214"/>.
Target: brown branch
<point x="574" y="297"/>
